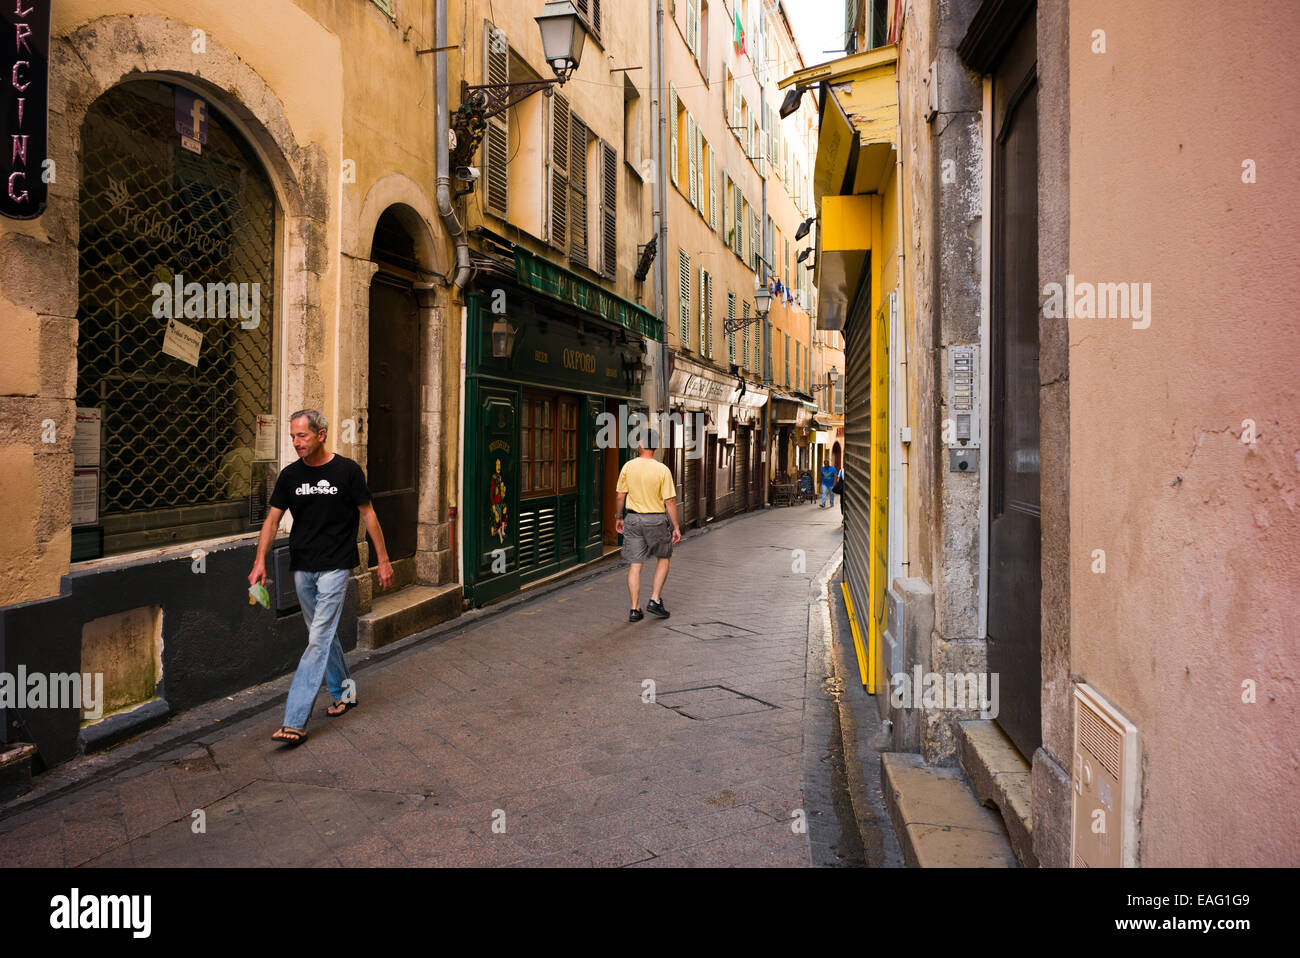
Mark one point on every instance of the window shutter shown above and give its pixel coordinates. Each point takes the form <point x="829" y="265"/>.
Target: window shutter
<point x="684" y="297"/>
<point x="609" y="212"/>
<point x="713" y="194"/>
<point x="692" y="25"/>
<point x="754" y="365"/>
<point x="703" y="315"/>
<point x="739" y="222"/>
<point x="578" y="195"/>
<point x="496" y="138"/>
<point x="559" y="170"/>
<point x="787" y="264"/>
<point x="726" y="93"/>
<point x="708" y="319"/>
<point x="756" y="240"/>
<point x="693" y="161"/>
<point x="672" y="133"/>
<point x="595" y="16"/>
<point x="731" y="332"/>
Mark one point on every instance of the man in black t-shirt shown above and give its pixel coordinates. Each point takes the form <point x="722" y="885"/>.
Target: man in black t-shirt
<point x="326" y="493"/>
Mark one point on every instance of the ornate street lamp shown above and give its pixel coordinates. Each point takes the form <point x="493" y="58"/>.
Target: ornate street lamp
<point x="762" y="296"/>
<point x="563" y="37"/>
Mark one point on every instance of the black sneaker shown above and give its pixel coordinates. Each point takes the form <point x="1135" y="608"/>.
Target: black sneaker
<point x="635" y="615"/>
<point x="657" y="608"/>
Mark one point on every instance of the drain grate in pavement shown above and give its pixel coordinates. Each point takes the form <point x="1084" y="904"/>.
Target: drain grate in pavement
<point x="711" y="702"/>
<point x="713" y="630"/>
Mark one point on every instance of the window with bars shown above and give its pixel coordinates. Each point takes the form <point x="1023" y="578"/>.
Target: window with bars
<point x="178" y="441"/>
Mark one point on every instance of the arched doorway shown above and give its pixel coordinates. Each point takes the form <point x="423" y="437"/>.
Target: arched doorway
<point x="392" y="440"/>
<point x="835" y="455"/>
<point x="176" y="278"/>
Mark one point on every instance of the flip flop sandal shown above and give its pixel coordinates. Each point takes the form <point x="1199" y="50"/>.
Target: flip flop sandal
<point x="290" y="742"/>
<point x="334" y="705"/>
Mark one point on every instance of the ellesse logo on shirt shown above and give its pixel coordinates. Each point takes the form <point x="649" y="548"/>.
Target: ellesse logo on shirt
<point x="322" y="488"/>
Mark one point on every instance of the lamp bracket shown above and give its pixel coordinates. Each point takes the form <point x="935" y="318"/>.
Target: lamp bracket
<point x="730" y="325"/>
<point x="496" y="98"/>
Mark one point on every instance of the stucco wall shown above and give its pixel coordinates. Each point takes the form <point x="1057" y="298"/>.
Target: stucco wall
<point x="1198" y="527"/>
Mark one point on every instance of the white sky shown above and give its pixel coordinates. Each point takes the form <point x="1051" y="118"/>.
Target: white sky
<point x="818" y="26"/>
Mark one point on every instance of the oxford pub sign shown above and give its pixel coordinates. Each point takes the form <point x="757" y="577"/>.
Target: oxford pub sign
<point x="25" y="74"/>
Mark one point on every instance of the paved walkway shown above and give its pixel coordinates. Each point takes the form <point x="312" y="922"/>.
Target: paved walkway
<point x="522" y="738"/>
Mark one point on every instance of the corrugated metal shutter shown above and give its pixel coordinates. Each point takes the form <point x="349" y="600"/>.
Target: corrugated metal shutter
<point x="857" y="448"/>
<point x="742" y="460"/>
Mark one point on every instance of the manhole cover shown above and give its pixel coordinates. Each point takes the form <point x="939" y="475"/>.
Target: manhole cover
<point x="710" y="702"/>
<point x="713" y="630"/>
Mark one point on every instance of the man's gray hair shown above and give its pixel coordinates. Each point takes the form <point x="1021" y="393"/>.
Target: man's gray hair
<point x="316" y="420"/>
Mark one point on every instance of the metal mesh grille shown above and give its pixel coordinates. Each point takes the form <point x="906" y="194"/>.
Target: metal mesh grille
<point x="174" y="435"/>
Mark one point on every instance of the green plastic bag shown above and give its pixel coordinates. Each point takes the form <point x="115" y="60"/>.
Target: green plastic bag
<point x="258" y="594"/>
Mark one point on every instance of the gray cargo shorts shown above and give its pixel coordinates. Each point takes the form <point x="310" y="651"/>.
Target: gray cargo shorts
<point x="647" y="535"/>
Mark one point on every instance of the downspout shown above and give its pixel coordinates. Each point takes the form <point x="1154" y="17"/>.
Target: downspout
<point x="658" y="146"/>
<point x="443" y="182"/>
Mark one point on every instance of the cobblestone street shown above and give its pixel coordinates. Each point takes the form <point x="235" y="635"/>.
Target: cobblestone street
<point x="523" y="737"/>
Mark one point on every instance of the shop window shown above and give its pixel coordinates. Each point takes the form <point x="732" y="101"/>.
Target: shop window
<point x="187" y="446"/>
<point x="537" y="445"/>
<point x="568" y="447"/>
<point x="548" y="444"/>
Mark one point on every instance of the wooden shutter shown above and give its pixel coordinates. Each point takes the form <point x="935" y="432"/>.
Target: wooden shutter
<point x="609" y="211"/>
<point x="559" y="170"/>
<point x="756" y="239"/>
<point x="727" y="94"/>
<point x="578" y="191"/>
<point x="496" y="138"/>
<point x="684" y="296"/>
<point x="693" y="162"/>
<point x="692" y="28"/>
<point x="672" y="132"/>
<point x="713" y="194"/>
<point x="739" y="243"/>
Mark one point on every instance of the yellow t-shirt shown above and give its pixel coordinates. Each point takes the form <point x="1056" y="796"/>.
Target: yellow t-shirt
<point x="647" y="483"/>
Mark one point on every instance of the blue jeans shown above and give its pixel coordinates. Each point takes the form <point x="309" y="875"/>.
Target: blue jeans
<point x="828" y="497"/>
<point x="321" y="596"/>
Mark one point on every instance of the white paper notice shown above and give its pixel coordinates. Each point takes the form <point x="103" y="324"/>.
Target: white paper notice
<point x="85" y="441"/>
<point x="182" y="341"/>
<point x="265" y="444"/>
<point x="85" y="497"/>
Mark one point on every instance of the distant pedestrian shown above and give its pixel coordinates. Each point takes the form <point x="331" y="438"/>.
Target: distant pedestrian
<point x="828" y="477"/>
<point x="325" y="493"/>
<point x="649" y="527"/>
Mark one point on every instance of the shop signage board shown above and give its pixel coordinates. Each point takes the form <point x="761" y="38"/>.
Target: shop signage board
<point x="25" y="74"/>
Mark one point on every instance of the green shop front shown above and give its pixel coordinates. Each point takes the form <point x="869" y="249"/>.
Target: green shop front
<point x="538" y="490"/>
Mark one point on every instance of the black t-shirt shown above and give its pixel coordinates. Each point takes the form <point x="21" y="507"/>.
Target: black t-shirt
<point x="323" y="501"/>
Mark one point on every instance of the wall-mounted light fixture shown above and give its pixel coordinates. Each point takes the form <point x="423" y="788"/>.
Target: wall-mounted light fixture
<point x="503" y="338"/>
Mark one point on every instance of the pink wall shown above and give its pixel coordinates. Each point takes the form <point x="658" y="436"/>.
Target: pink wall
<point x="1201" y="531"/>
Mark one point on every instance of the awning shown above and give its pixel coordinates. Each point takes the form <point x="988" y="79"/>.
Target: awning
<point x="536" y="273"/>
<point x="790" y="410"/>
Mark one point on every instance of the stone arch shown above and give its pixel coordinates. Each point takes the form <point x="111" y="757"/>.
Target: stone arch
<point x="97" y="56"/>
<point x="402" y="197"/>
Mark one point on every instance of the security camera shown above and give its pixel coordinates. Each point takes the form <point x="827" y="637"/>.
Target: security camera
<point x="468" y="174"/>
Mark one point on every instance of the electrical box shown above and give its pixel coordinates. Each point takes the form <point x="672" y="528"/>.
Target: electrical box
<point x="961" y="431"/>
<point x="1105" y="784"/>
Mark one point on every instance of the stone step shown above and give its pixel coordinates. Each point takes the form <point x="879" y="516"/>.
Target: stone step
<point x="1000" y="776"/>
<point x="939" y="822"/>
<point x="15" y="769"/>
<point x="395" y="615"/>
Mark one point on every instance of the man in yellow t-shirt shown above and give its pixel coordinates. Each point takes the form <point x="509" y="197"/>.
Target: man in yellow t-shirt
<point x="649" y="527"/>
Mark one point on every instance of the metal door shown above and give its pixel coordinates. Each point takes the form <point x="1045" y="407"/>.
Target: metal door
<point x="1015" y="576"/>
<point x="392" y="463"/>
<point x="742" y="460"/>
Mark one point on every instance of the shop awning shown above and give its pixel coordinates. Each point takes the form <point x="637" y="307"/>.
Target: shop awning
<point x="856" y="152"/>
<point x="561" y="284"/>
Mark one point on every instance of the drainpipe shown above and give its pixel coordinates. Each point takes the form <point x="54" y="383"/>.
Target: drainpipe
<point x="659" y="152"/>
<point x="445" y="210"/>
